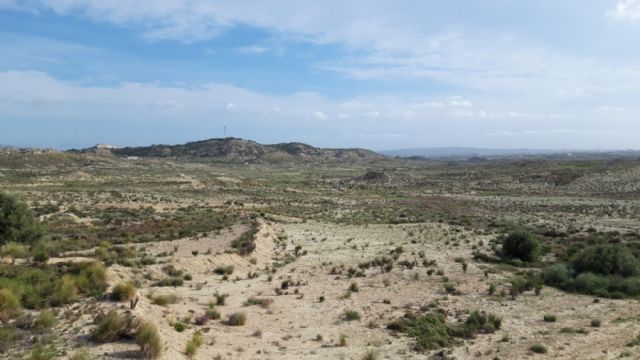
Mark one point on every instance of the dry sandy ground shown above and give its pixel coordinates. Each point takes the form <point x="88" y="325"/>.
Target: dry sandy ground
<point x="296" y="325"/>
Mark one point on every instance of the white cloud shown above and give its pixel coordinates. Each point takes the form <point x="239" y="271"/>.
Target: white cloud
<point x="553" y="132"/>
<point x="319" y="115"/>
<point x="387" y="41"/>
<point x="625" y="10"/>
<point x="253" y="49"/>
<point x="372" y="121"/>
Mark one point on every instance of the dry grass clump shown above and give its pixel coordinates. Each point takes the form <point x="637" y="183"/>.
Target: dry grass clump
<point x="123" y="291"/>
<point x="164" y="299"/>
<point x="114" y="326"/>
<point x="147" y="337"/>
<point x="237" y="319"/>
<point x="193" y="344"/>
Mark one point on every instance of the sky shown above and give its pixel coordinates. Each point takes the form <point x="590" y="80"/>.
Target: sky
<point x="379" y="74"/>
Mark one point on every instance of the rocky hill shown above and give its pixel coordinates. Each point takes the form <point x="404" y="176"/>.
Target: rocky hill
<point x="240" y="149"/>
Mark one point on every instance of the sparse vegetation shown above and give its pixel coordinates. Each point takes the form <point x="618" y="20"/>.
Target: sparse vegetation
<point x="351" y="315"/>
<point x="431" y="330"/>
<point x="177" y="229"/>
<point x="237" y="319"/>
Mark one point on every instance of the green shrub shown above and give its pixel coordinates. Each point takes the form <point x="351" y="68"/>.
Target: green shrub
<point x="111" y="326"/>
<point x="595" y="323"/>
<point x="9" y="305"/>
<point x="350" y="315"/>
<point x="371" y="355"/>
<point x="65" y="291"/>
<point x="538" y="349"/>
<point x="606" y="260"/>
<point x="193" y="344"/>
<point x="430" y="330"/>
<point x="213" y="314"/>
<point x="549" y="318"/>
<point x="40" y="254"/>
<point x="557" y="275"/>
<point x="41" y="352"/>
<point x="171" y="281"/>
<point x="224" y="270"/>
<point x="123" y="291"/>
<point x="92" y="279"/>
<point x="237" y="319"/>
<point x="179" y="326"/>
<point x="147" y="337"/>
<point x="165" y="299"/>
<point x="630" y="286"/>
<point x="590" y="283"/>
<point x="477" y="322"/>
<point x="46" y="319"/>
<point x="264" y="303"/>
<point x="17" y="221"/>
<point x="343" y="340"/>
<point x="521" y="245"/>
<point x="221" y="298"/>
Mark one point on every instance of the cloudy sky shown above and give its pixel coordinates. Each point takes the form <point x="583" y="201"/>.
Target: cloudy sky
<point x="370" y="73"/>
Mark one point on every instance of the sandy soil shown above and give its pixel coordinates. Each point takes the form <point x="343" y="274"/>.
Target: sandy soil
<point x="296" y="325"/>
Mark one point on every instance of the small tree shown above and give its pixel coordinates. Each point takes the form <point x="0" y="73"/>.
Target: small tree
<point x="17" y="222"/>
<point x="521" y="245"/>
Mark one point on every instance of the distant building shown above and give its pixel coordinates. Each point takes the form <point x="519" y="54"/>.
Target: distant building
<point x="133" y="158"/>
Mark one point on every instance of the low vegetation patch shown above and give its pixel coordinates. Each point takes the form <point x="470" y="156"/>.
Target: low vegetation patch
<point x="114" y="326"/>
<point x="601" y="270"/>
<point x="432" y="332"/>
<point x="164" y="299"/>
<point x="246" y="243"/>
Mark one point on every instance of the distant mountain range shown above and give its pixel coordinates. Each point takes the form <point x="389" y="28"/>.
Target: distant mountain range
<point x="447" y="152"/>
<point x="237" y="149"/>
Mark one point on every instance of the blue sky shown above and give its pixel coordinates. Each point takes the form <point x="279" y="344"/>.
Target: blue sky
<point x="375" y="74"/>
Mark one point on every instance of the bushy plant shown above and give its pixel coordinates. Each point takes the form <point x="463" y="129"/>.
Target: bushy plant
<point x="213" y="314"/>
<point x="164" y="299"/>
<point x="147" y="337"/>
<point x="350" y="315"/>
<point x="521" y="245"/>
<point x="111" y="326"/>
<point x="237" y="319"/>
<point x="193" y="344"/>
<point x="123" y="291"/>
<point x="9" y="305"/>
<point x="65" y="291"/>
<point x="477" y="322"/>
<point x="538" y="349"/>
<point x="13" y="250"/>
<point x="557" y="275"/>
<point x="92" y="279"/>
<point x="46" y="319"/>
<point x="429" y="331"/>
<point x="606" y="260"/>
<point x="17" y="221"/>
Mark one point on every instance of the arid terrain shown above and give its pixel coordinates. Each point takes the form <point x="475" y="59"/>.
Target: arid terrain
<point x="321" y="258"/>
